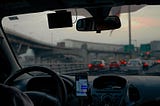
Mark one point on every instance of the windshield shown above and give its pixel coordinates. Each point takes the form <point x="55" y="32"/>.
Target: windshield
<point x="67" y="50"/>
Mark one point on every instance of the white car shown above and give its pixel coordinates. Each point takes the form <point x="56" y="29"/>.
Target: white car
<point x="134" y="64"/>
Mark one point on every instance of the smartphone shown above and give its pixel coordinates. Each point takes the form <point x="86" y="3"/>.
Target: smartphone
<point x="81" y="84"/>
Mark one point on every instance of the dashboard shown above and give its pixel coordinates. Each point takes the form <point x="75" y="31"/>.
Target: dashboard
<point x="108" y="90"/>
<point x="104" y="90"/>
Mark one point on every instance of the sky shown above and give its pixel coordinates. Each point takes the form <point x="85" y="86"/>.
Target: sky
<point x="145" y="26"/>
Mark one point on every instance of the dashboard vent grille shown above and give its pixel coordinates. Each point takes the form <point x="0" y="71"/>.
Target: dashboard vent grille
<point x="133" y="93"/>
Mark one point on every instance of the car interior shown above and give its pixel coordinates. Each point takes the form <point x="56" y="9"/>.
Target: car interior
<point x="49" y="87"/>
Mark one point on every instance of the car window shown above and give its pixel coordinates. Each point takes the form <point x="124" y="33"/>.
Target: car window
<point x="133" y="61"/>
<point x="96" y="62"/>
<point x="113" y="62"/>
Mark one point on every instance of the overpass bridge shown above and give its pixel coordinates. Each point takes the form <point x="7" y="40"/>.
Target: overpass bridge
<point x="21" y="43"/>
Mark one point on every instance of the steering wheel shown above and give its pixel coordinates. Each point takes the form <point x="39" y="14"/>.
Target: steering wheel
<point x="37" y="96"/>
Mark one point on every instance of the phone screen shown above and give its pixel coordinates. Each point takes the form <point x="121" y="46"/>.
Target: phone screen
<point x="81" y="84"/>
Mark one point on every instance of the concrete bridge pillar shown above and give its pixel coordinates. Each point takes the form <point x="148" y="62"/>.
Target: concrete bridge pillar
<point x="85" y="55"/>
<point x="84" y="52"/>
<point x="91" y="56"/>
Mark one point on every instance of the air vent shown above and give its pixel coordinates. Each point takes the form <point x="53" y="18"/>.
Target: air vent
<point x="133" y="93"/>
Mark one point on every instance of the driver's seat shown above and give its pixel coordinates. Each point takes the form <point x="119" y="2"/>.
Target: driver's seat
<point x="11" y="96"/>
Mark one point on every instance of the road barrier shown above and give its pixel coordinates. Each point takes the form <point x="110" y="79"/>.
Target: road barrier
<point x="62" y="67"/>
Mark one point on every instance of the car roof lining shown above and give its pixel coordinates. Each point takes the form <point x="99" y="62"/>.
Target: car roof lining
<point x="13" y="7"/>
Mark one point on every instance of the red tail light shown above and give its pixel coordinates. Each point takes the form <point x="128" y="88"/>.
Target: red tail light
<point x="89" y="65"/>
<point x="158" y="61"/>
<point x="101" y="65"/>
<point x="145" y="64"/>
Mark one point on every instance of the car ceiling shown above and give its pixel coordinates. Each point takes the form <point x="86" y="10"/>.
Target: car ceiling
<point x="12" y="7"/>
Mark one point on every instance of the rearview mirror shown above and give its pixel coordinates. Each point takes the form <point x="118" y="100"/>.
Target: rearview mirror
<point x="90" y="24"/>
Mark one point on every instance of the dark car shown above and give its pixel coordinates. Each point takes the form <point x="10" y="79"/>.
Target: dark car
<point x="123" y="62"/>
<point x="145" y="65"/>
<point x="114" y="65"/>
<point x="96" y="65"/>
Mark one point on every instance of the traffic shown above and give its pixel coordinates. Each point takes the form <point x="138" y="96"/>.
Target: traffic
<point x="131" y="64"/>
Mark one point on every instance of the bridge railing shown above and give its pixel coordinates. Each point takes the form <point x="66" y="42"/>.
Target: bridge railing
<point x="62" y="67"/>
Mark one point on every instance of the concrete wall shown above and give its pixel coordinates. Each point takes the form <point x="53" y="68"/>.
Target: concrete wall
<point x="93" y="46"/>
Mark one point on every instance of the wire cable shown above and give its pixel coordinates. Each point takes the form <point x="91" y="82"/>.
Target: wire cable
<point x="76" y="17"/>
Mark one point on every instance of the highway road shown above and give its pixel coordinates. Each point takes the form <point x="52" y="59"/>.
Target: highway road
<point x="155" y="70"/>
<point x="73" y="68"/>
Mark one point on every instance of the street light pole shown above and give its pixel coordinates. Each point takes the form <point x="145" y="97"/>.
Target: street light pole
<point x="135" y="47"/>
<point x="129" y="26"/>
<point x="135" y="41"/>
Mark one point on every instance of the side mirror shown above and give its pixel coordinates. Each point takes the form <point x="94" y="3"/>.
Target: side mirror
<point x="90" y="24"/>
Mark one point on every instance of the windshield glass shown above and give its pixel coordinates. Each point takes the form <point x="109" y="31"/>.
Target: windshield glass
<point x="67" y="50"/>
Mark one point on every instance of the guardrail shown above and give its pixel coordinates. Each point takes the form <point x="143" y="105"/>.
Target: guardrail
<point x="62" y="67"/>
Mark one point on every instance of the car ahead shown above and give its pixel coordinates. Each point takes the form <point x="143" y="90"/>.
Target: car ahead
<point x="150" y="63"/>
<point x="114" y="65"/>
<point x="135" y="65"/>
<point x="157" y="61"/>
<point x="146" y="65"/>
<point x="123" y="62"/>
<point x="41" y="57"/>
<point x="97" y="65"/>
